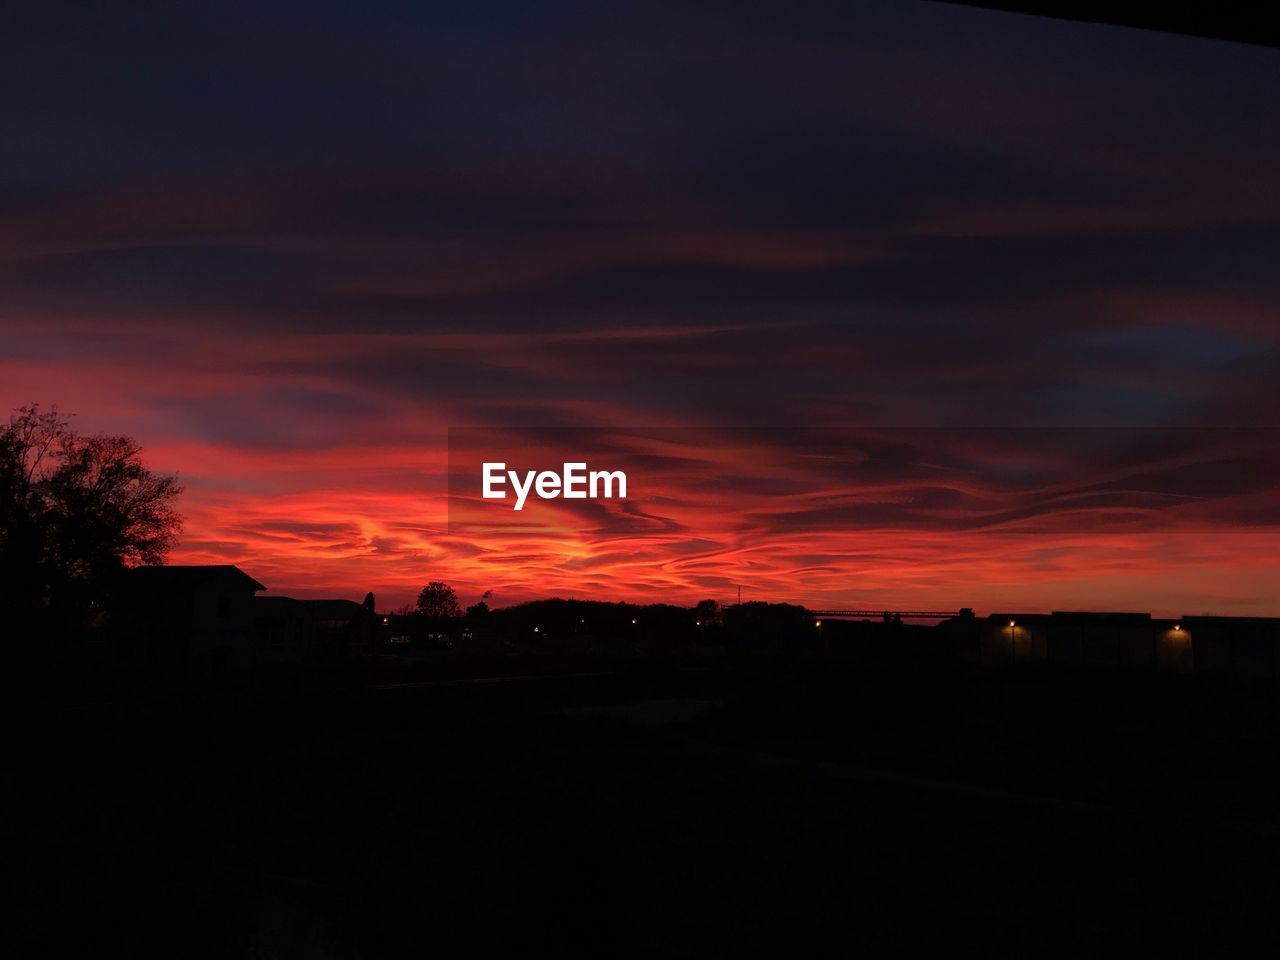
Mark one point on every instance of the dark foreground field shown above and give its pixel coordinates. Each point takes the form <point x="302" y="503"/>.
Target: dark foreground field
<point x="664" y="814"/>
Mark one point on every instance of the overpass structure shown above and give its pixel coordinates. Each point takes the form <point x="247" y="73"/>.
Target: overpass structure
<point x="889" y="614"/>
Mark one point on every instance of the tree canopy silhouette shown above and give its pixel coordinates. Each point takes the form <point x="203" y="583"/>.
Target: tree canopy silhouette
<point x="74" y="512"/>
<point x="437" y="599"/>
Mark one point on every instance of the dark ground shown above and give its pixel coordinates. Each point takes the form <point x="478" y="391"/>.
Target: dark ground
<point x="664" y="813"/>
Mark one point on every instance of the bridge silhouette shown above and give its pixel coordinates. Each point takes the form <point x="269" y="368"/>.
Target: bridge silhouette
<point x="890" y="614"/>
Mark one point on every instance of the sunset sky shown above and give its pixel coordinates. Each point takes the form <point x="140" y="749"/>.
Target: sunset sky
<point x="290" y="247"/>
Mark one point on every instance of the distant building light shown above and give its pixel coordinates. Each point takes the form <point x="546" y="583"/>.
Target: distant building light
<point x="633" y="620"/>
<point x="817" y="623"/>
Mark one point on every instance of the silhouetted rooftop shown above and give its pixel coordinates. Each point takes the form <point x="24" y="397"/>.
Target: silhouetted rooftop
<point x="188" y="576"/>
<point x="333" y="609"/>
<point x="321" y="609"/>
<point x="1103" y="614"/>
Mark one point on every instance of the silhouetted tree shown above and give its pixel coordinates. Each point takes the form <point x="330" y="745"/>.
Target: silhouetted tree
<point x="768" y="625"/>
<point x="478" y="611"/>
<point x="74" y="512"/>
<point x="707" y="611"/>
<point x="437" y="599"/>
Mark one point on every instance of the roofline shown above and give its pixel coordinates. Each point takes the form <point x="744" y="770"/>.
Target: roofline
<point x="211" y="567"/>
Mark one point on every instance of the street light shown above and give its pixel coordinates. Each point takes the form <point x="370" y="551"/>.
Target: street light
<point x="1013" y="646"/>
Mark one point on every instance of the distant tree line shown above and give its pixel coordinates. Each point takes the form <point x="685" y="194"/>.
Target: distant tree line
<point x="582" y="625"/>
